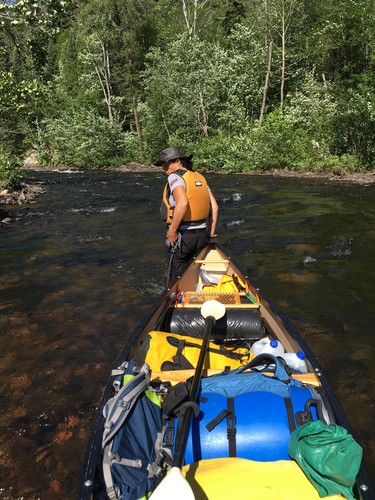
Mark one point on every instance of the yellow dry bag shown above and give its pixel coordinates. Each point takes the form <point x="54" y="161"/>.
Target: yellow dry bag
<point x="170" y="351"/>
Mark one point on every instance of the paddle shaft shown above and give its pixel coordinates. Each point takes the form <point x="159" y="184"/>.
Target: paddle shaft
<point x="185" y="422"/>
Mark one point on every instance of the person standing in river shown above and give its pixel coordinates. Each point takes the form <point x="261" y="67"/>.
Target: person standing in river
<point x="188" y="207"/>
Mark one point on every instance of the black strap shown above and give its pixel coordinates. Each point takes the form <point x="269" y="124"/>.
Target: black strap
<point x="290" y="414"/>
<point x="169" y="434"/>
<point x="168" y="440"/>
<point x="180" y="347"/>
<point x="231" y="428"/>
<point x="181" y="344"/>
<point x="216" y="421"/>
<point x="231" y="354"/>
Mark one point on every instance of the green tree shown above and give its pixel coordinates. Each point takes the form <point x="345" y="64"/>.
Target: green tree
<point x="339" y="38"/>
<point x="354" y="127"/>
<point x="110" y="41"/>
<point x="313" y="108"/>
<point x="27" y="30"/>
<point x="10" y="174"/>
<point x="207" y="19"/>
<point x="187" y="89"/>
<point x="230" y="77"/>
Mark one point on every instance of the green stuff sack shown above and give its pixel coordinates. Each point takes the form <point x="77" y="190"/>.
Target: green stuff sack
<point x="328" y="455"/>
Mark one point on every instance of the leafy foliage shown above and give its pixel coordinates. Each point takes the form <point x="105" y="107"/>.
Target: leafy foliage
<point x="354" y="126"/>
<point x="10" y="175"/>
<point x="243" y="84"/>
<point x="84" y="139"/>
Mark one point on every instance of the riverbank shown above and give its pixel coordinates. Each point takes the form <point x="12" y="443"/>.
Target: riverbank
<point x="352" y="177"/>
<point x="27" y="192"/>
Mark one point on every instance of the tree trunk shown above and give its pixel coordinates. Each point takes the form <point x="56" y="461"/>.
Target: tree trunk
<point x="203" y="112"/>
<point x="104" y="76"/>
<point x="138" y="129"/>
<point x="283" y="48"/>
<point x="266" y="84"/>
<point x="190" y="26"/>
<point x="192" y="16"/>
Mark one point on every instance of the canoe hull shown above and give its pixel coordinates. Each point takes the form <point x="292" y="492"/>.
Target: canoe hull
<point x="249" y="316"/>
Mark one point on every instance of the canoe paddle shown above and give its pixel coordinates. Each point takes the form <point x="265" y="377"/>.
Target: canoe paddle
<point x="174" y="485"/>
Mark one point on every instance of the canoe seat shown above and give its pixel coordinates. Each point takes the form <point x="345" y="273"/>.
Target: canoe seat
<point x="229" y="299"/>
<point x="235" y="325"/>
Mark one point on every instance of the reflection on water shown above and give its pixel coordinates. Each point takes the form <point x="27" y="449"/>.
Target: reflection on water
<point x="81" y="265"/>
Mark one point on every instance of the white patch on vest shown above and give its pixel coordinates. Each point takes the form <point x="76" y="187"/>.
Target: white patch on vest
<point x="198" y="183"/>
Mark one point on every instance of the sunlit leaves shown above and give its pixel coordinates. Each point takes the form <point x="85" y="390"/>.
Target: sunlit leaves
<point x="46" y="15"/>
<point x="18" y="95"/>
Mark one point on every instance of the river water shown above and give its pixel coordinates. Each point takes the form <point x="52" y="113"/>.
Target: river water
<point x="80" y="265"/>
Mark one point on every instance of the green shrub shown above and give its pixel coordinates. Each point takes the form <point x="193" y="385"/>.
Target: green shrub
<point x="335" y="164"/>
<point x="84" y="139"/>
<point x="355" y="125"/>
<point x="278" y="144"/>
<point x="210" y="153"/>
<point x="10" y="174"/>
<point x="223" y="151"/>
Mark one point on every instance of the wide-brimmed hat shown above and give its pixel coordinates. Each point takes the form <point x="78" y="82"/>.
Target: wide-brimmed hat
<point x="169" y="154"/>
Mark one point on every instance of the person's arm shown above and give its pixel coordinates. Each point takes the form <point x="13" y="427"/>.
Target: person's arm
<point x="214" y="215"/>
<point x="179" y="194"/>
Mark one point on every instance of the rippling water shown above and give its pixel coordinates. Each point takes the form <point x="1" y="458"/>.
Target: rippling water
<point x="80" y="266"/>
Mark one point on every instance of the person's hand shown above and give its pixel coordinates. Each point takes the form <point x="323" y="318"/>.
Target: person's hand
<point x="172" y="237"/>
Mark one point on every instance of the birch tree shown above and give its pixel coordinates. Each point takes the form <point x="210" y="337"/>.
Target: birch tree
<point x="280" y="16"/>
<point x="190" y="9"/>
<point x="96" y="56"/>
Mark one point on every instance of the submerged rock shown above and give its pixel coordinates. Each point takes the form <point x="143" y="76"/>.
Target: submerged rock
<point x="307" y="259"/>
<point x="4" y="216"/>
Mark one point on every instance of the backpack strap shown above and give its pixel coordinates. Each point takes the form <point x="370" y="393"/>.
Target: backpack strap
<point x="118" y="408"/>
<point x="267" y="360"/>
<point x="109" y="459"/>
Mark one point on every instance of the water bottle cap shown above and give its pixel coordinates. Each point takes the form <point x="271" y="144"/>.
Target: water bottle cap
<point x="274" y="343"/>
<point x="301" y="355"/>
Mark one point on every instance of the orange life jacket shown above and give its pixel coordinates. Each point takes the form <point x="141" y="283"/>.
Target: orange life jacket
<point x="197" y="194"/>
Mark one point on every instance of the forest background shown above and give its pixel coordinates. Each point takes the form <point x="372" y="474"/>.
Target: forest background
<point x="244" y="85"/>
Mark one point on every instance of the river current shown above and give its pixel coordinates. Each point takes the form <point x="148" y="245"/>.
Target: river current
<point x="80" y="265"/>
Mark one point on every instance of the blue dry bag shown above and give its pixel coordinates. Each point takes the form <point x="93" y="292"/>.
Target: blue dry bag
<point x="249" y="414"/>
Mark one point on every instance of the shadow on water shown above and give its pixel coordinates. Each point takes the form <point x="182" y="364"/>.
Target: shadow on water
<point x="81" y="265"/>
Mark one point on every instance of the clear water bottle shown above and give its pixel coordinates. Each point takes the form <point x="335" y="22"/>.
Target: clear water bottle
<point x="296" y="360"/>
<point x="267" y="346"/>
